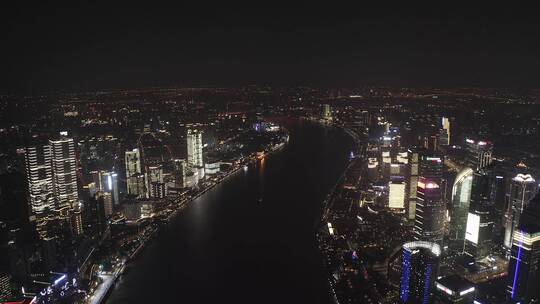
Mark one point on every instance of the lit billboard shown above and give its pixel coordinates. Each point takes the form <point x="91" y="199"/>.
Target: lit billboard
<point x="473" y="226"/>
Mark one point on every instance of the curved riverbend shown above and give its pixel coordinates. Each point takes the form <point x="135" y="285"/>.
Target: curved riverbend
<point x="251" y="238"/>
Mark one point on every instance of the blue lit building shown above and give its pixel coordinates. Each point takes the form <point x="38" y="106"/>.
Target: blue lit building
<point x="524" y="267"/>
<point x="420" y="265"/>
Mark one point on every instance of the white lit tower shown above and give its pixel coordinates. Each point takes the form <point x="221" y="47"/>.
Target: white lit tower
<point x="445" y="131"/>
<point x="40" y="184"/>
<point x="64" y="174"/>
<point x="194" y="149"/>
<point x="522" y="189"/>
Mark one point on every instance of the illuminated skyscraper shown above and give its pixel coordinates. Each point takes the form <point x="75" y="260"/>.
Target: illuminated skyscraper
<point x="479" y="153"/>
<point x="479" y="235"/>
<point x="524" y="266"/>
<point x="40" y="181"/>
<point x="522" y="189"/>
<point x="136" y="181"/>
<point x="327" y="112"/>
<point x="430" y="207"/>
<point x="64" y="174"/>
<point x="411" y="183"/>
<point x="52" y="182"/>
<point x="420" y="266"/>
<point x="194" y="149"/>
<point x="179" y="173"/>
<point x="430" y="212"/>
<point x="445" y="131"/>
<point x="108" y="182"/>
<point x="461" y="195"/>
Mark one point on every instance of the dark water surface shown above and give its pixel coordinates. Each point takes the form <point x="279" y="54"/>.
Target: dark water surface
<point x="229" y="247"/>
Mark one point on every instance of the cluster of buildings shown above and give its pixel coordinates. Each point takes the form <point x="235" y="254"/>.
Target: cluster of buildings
<point x="469" y="219"/>
<point x="76" y="206"/>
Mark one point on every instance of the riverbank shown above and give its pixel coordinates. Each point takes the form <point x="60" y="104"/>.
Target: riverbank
<point x="110" y="278"/>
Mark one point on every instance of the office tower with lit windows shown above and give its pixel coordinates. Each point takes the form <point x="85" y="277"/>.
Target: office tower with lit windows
<point x="522" y="189"/>
<point x="481" y="218"/>
<point x="430" y="211"/>
<point x="327" y="112"/>
<point x="524" y="267"/>
<point x="136" y="180"/>
<point x="430" y="141"/>
<point x="76" y="220"/>
<point x="445" y="131"/>
<point x="479" y="153"/>
<point x="40" y="182"/>
<point x="419" y="270"/>
<point x="431" y="166"/>
<point x="461" y="195"/>
<point x="64" y="174"/>
<point x="107" y="181"/>
<point x="52" y="183"/>
<point x="194" y="149"/>
<point x="411" y="183"/>
<point x="179" y="173"/>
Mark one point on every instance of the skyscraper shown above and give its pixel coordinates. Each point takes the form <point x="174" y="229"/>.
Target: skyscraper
<point x="136" y="184"/>
<point x="479" y="153"/>
<point x="524" y="267"/>
<point x="479" y="234"/>
<point x="430" y="211"/>
<point x="64" y="174"/>
<point x="52" y="182"/>
<point x="40" y="181"/>
<point x="411" y="183"/>
<point x="327" y="112"/>
<point x="107" y="181"/>
<point x="194" y="149"/>
<point x="522" y="188"/>
<point x="461" y="195"/>
<point x="420" y="266"/>
<point x="445" y="131"/>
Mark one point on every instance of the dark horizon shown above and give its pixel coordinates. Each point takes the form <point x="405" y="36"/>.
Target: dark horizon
<point x="89" y="46"/>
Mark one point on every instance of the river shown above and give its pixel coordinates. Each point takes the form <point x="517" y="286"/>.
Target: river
<point x="251" y="239"/>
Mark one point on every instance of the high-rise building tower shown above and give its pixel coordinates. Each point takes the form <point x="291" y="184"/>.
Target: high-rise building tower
<point x="40" y="180"/>
<point x="445" y="131"/>
<point x="64" y="174"/>
<point x="136" y="181"/>
<point x="461" y="196"/>
<point x="430" y="211"/>
<point x="52" y="183"/>
<point x="521" y="190"/>
<point x="420" y="266"/>
<point x="524" y="266"/>
<point x="479" y="153"/>
<point x="327" y="112"/>
<point x="194" y="149"/>
<point x="411" y="183"/>
<point x="480" y="232"/>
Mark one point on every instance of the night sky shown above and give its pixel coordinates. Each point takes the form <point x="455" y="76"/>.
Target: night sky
<point x="91" y="46"/>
